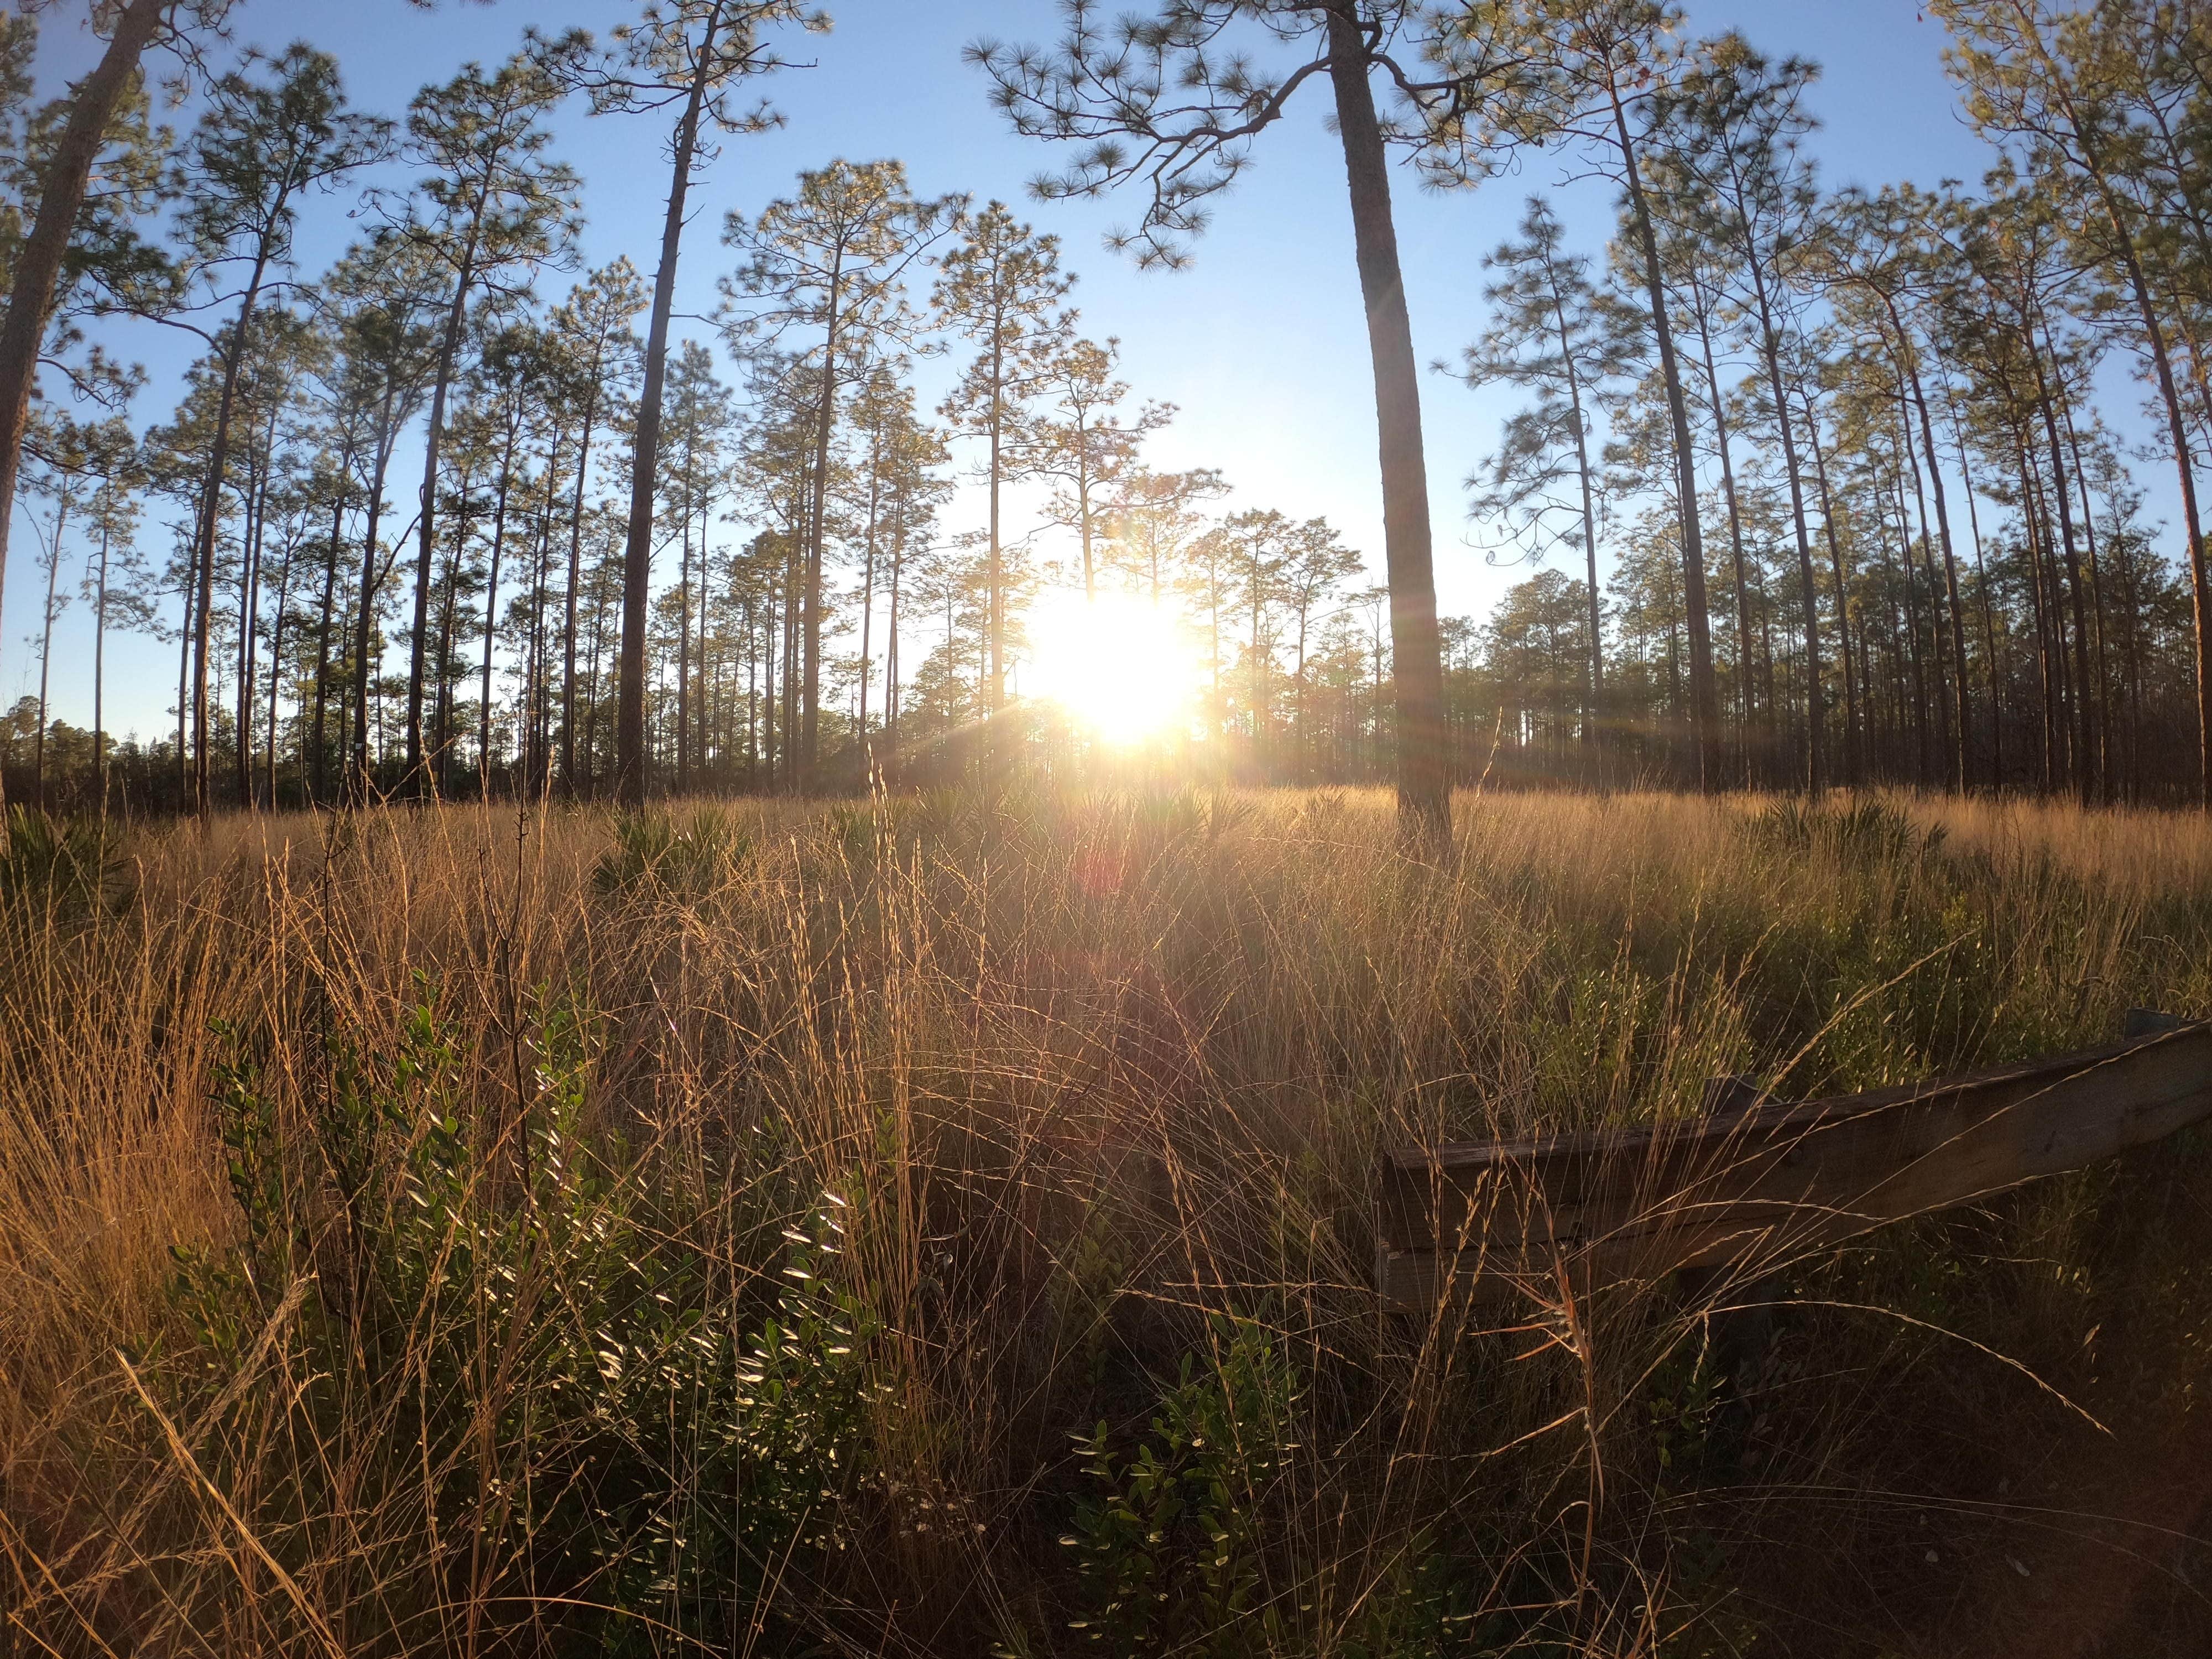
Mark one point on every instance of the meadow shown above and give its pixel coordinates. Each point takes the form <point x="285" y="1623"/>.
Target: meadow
<point x="942" y="1224"/>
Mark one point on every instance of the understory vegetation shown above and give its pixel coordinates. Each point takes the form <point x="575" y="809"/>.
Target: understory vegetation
<point x="943" y="1224"/>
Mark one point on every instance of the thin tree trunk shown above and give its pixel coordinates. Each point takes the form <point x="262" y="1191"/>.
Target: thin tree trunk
<point x="210" y="514"/>
<point x="1852" y="759"/>
<point x="2096" y="608"/>
<point x="1964" y="718"/>
<point x="1594" y="695"/>
<point x="47" y="647"/>
<point x="817" y="528"/>
<point x="99" y="676"/>
<point x="419" y="781"/>
<point x="1704" y="700"/>
<point x="39" y="260"/>
<point x="684" y="639"/>
<point x="323" y="643"/>
<point x="1955" y="749"/>
<point x="2047" y="654"/>
<point x="996" y="650"/>
<point x="868" y="596"/>
<point x="637" y="554"/>
<point x="1815" y="715"/>
<point x="491" y="616"/>
<point x="1417" y="668"/>
<point x="276" y="680"/>
<point x="1989" y="618"/>
<point x="1746" y="697"/>
<point x="2085" y="711"/>
<point x="364" y="667"/>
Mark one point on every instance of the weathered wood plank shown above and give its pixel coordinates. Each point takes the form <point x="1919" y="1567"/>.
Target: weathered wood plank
<point x="1757" y="1184"/>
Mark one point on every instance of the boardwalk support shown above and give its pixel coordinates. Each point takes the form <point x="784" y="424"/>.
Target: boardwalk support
<point x="1756" y="1184"/>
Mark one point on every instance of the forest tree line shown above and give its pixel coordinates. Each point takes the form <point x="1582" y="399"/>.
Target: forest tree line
<point x="1830" y="477"/>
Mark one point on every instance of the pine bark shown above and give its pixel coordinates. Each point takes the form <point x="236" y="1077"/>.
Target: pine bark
<point x="1416" y="670"/>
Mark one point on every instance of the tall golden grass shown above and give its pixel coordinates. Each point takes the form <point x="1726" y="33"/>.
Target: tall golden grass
<point x="940" y="1225"/>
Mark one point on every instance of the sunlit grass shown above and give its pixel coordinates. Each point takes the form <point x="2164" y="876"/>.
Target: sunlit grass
<point x="1034" y="1128"/>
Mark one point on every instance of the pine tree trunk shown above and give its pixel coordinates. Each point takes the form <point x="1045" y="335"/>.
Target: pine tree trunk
<point x="2085" y="704"/>
<point x="998" y="573"/>
<point x="1963" y="715"/>
<point x="1417" y="666"/>
<point x="817" y="528"/>
<point x="1852" y="759"/>
<point x="323" y="646"/>
<point x="569" y="775"/>
<point x="1816" y="778"/>
<point x="358" y="787"/>
<point x="1594" y="696"/>
<point x="1746" y="694"/>
<point x="1704" y="699"/>
<point x="419" y="783"/>
<point x="39" y="261"/>
<point x="637" y="553"/>
<point x="491" y="618"/>
<point x="100" y="679"/>
<point x="46" y="651"/>
<point x="1934" y="587"/>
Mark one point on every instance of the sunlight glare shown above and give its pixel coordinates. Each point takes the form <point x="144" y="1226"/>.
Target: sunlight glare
<point x="1117" y="664"/>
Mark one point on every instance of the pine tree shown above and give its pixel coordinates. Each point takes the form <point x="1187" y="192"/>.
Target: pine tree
<point x="1554" y="333"/>
<point x="266" y="140"/>
<point x="830" y="262"/>
<point x="1588" y="72"/>
<point x="1731" y="128"/>
<point x="103" y="114"/>
<point x="1080" y="442"/>
<point x="493" y="211"/>
<point x="1001" y="290"/>
<point x="595" y="362"/>
<point x="1158" y="99"/>
<point x="692" y="56"/>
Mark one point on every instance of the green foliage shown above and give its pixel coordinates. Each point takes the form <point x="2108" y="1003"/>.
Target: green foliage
<point x="655" y="856"/>
<point x="1169" y="1542"/>
<point x="1864" y="830"/>
<point x="519" y="1317"/>
<point x="62" y="868"/>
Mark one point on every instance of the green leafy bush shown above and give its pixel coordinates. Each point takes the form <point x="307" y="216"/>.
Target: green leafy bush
<point x="62" y="868"/>
<point x="500" y="1338"/>
<point x="655" y="856"/>
<point x="1169" y="1541"/>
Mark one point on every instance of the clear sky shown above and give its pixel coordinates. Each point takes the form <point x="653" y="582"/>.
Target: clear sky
<point x="1261" y="344"/>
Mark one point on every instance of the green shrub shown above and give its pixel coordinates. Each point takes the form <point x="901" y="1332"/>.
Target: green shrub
<point x="495" y="1310"/>
<point x="1169" y="1541"/>
<point x="63" y="868"/>
<point x="655" y="856"/>
<point x="1864" y="829"/>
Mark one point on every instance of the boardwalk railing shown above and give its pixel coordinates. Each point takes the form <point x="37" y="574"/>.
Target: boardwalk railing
<point x="1752" y="1186"/>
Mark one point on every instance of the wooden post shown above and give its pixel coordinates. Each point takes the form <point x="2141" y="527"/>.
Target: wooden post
<point x="1752" y="1187"/>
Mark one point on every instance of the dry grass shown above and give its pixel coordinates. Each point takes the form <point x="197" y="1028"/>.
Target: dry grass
<point x="941" y="1226"/>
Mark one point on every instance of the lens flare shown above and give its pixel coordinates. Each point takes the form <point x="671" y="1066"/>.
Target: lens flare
<point x="1119" y="666"/>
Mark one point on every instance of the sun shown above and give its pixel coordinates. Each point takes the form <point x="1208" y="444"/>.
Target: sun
<point x="1117" y="664"/>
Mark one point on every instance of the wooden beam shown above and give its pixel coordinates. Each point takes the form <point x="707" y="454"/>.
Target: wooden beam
<point x="1754" y="1185"/>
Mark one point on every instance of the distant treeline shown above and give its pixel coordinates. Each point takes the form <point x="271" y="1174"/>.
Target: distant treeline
<point x="1830" y="467"/>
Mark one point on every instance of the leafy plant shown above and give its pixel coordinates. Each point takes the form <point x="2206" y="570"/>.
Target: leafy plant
<point x="498" y="1298"/>
<point x="1167" y="1542"/>
<point x="1864" y="830"/>
<point x="653" y="855"/>
<point x="63" y="868"/>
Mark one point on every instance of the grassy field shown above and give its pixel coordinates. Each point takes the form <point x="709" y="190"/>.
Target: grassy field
<point x="944" y="1227"/>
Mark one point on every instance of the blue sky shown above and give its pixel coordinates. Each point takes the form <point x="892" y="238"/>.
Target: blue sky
<point x="1262" y="343"/>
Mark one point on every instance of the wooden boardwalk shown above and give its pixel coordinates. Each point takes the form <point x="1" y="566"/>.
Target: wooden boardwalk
<point x="1754" y="1185"/>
